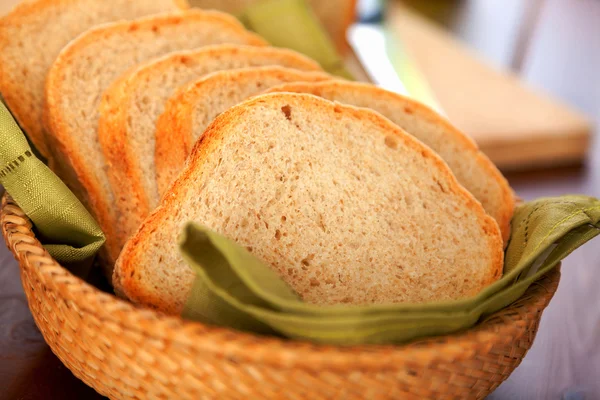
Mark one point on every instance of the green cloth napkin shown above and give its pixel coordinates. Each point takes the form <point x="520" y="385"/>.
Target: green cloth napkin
<point x="63" y="225"/>
<point x="235" y="289"/>
<point x="293" y="24"/>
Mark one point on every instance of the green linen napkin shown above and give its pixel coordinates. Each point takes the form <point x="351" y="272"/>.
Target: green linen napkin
<point x="63" y="225"/>
<point x="235" y="289"/>
<point x="293" y="24"/>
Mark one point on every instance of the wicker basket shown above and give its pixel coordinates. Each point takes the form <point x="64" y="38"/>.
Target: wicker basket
<point x="126" y="352"/>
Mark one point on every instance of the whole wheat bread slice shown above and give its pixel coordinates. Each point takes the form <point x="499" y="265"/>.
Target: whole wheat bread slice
<point x="32" y="35"/>
<point x="334" y="15"/>
<point x="132" y="104"/>
<point x="88" y="65"/>
<point x="343" y="204"/>
<point x="470" y="166"/>
<point x="192" y="109"/>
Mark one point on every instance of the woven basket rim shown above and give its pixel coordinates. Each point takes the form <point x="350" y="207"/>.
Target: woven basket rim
<point x="504" y="327"/>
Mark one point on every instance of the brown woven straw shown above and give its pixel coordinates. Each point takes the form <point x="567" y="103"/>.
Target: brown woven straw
<point x="126" y="352"/>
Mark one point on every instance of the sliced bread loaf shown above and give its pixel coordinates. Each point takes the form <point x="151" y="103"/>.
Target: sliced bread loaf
<point x="88" y="65"/>
<point x="335" y="15"/>
<point x="343" y="204"/>
<point x="192" y="109"/>
<point x="470" y="166"/>
<point x="32" y="35"/>
<point x="133" y="103"/>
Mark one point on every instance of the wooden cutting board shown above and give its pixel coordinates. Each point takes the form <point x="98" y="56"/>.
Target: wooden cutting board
<point x="515" y="126"/>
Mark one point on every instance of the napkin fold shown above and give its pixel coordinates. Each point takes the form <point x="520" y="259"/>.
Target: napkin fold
<point x="293" y="24"/>
<point x="63" y="225"/>
<point x="233" y="288"/>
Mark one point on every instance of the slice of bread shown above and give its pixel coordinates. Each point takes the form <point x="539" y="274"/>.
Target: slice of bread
<point x="189" y="113"/>
<point x="88" y="65"/>
<point x="335" y="15"/>
<point x="470" y="166"/>
<point x="32" y="35"/>
<point x="132" y="104"/>
<point x="343" y="204"/>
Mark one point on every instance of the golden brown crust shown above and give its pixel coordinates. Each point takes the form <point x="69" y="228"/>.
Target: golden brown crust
<point x="62" y="143"/>
<point x="173" y="139"/>
<point x="133" y="252"/>
<point x="114" y="135"/>
<point x="504" y="215"/>
<point x="57" y="125"/>
<point x="125" y="270"/>
<point x="114" y="131"/>
<point x="174" y="133"/>
<point x="111" y="127"/>
<point x="73" y="169"/>
<point x="20" y="107"/>
<point x="10" y="89"/>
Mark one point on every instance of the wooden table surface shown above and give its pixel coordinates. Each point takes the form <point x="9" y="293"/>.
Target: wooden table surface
<point x="561" y="58"/>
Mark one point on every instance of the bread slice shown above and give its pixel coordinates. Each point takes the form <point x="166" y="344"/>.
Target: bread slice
<point x="470" y="166"/>
<point x="335" y="15"/>
<point x="88" y="65"/>
<point x="32" y="35"/>
<point x="189" y="113"/>
<point x="133" y="103"/>
<point x="343" y="204"/>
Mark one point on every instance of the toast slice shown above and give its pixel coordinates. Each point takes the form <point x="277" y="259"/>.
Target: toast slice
<point x="342" y="203"/>
<point x="88" y="65"/>
<point x="334" y="15"/>
<point x="32" y="35"/>
<point x="470" y="166"/>
<point x="132" y="104"/>
<point x="191" y="110"/>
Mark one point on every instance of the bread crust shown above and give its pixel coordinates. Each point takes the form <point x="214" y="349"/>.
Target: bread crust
<point x="23" y="108"/>
<point x="114" y="130"/>
<point x="503" y="215"/>
<point x="62" y="139"/>
<point x="9" y="89"/>
<point x="174" y="130"/>
<point x="134" y="251"/>
<point x="126" y="172"/>
<point x="173" y="137"/>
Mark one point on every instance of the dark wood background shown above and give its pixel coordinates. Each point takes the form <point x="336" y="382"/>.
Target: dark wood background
<point x="554" y="45"/>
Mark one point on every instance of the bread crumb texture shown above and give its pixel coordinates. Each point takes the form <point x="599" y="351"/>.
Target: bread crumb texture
<point x="345" y="206"/>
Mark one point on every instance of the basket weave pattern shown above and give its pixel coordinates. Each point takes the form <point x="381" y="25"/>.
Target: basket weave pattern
<point x="125" y="352"/>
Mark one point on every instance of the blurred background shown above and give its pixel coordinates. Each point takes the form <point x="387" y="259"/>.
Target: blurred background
<point x="519" y="77"/>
